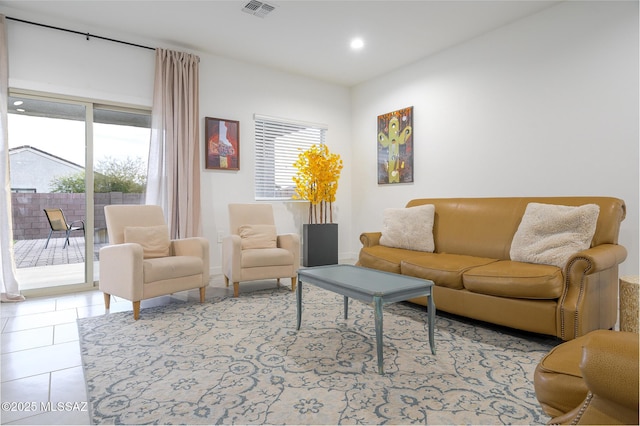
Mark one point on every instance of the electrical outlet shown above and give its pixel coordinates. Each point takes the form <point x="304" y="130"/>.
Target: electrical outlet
<point x="220" y="236"/>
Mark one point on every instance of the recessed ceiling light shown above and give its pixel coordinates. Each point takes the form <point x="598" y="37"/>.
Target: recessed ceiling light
<point x="357" y="43"/>
<point x="20" y="110"/>
<point x="16" y="103"/>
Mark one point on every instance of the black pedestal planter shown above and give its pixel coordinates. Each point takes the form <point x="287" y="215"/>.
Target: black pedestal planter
<point x="320" y="244"/>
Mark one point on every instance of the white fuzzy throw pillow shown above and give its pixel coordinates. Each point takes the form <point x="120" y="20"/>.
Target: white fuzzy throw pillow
<point x="550" y="234"/>
<point x="409" y="228"/>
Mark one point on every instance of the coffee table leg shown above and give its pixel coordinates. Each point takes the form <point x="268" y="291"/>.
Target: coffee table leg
<point x="346" y="307"/>
<point x="299" y="303"/>
<point x="377" y="314"/>
<point x="431" y="306"/>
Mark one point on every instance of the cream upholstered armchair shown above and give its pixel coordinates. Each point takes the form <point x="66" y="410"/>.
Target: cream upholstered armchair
<point x="141" y="261"/>
<point x="254" y="250"/>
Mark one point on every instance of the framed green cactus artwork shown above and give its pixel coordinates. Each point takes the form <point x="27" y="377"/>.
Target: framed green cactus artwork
<point x="395" y="146"/>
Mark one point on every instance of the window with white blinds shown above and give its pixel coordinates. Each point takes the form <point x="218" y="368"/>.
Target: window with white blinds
<point x="278" y="142"/>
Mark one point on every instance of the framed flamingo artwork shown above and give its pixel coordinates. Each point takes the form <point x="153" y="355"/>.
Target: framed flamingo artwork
<point x="222" y="144"/>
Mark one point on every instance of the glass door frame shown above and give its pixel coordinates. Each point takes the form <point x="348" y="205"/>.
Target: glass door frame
<point x="90" y="281"/>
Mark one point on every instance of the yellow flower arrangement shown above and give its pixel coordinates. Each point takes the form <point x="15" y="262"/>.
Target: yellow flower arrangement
<point x="317" y="181"/>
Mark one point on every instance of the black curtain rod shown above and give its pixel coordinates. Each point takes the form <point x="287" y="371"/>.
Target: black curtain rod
<point x="88" y="35"/>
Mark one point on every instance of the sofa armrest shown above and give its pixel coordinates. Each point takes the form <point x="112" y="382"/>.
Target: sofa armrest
<point x="598" y="258"/>
<point x="121" y="272"/>
<point x="610" y="370"/>
<point x="291" y="243"/>
<point x="610" y="366"/>
<point x="194" y="246"/>
<point x="589" y="299"/>
<point x="231" y="257"/>
<point x="370" y="239"/>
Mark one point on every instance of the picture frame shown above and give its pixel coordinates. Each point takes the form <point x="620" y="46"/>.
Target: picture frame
<point x="222" y="144"/>
<point x="395" y="147"/>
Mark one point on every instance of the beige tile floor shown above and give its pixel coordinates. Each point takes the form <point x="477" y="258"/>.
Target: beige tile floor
<point x="40" y="354"/>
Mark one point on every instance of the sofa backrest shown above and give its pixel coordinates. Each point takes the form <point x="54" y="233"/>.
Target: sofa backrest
<point x="249" y="214"/>
<point x="119" y="216"/>
<point x="486" y="226"/>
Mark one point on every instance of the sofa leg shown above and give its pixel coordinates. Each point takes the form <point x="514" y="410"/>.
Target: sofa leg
<point x="294" y="281"/>
<point x="107" y="300"/>
<point x="202" y="293"/>
<point x="136" y="310"/>
<point x="236" y="289"/>
<point x="226" y="280"/>
<point x="278" y="281"/>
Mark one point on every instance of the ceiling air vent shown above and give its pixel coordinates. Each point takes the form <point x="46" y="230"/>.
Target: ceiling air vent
<point x="258" y="8"/>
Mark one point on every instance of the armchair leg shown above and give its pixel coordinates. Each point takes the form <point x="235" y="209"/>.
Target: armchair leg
<point x="236" y="289"/>
<point x="202" y="293"/>
<point x="107" y="300"/>
<point x="136" y="310"/>
<point x="226" y="280"/>
<point x="294" y="281"/>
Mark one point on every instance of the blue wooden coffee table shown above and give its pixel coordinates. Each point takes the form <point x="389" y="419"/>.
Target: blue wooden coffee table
<point x="369" y="286"/>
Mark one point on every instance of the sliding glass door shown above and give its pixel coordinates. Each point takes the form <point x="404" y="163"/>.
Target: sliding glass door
<point x="47" y="153"/>
<point x="68" y="158"/>
<point x="120" y="152"/>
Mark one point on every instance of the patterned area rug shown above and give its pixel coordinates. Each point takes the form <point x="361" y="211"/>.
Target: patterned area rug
<point x="241" y="361"/>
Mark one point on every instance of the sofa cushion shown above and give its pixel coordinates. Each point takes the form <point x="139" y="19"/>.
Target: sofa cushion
<point x="507" y="278"/>
<point x="558" y="380"/>
<point x="443" y="269"/>
<point x="385" y="258"/>
<point x="165" y="268"/>
<point x="257" y="258"/>
<point x="258" y="236"/>
<point x="409" y="228"/>
<point x="550" y="233"/>
<point x="153" y="239"/>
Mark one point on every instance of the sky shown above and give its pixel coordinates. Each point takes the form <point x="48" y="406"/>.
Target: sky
<point x="66" y="138"/>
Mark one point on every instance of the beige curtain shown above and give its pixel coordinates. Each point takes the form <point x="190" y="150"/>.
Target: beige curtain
<point x="10" y="288"/>
<point x="173" y="180"/>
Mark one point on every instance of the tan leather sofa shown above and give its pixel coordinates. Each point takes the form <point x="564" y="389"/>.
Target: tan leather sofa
<point x="475" y="277"/>
<point x="592" y="379"/>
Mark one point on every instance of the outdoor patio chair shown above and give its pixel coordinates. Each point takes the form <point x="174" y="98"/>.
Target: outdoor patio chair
<point x="58" y="223"/>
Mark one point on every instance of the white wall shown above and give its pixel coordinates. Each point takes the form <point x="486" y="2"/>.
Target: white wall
<point x="545" y="106"/>
<point x="236" y="91"/>
<point x="60" y="63"/>
<point x="57" y="62"/>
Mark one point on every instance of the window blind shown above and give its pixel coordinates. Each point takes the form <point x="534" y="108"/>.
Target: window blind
<point x="278" y="142"/>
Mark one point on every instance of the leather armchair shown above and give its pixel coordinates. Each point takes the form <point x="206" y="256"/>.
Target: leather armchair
<point x="591" y="380"/>
<point x="141" y="261"/>
<point x="254" y="250"/>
